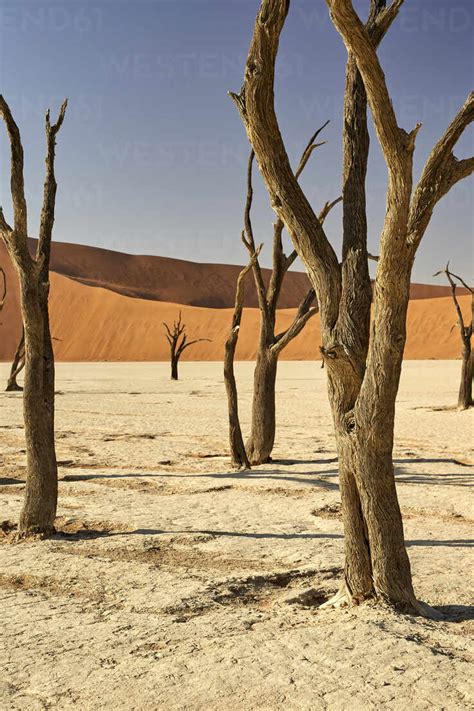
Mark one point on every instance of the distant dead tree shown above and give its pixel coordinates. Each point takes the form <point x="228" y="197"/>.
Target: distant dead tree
<point x="465" y="388"/>
<point x="19" y="357"/>
<point x="4" y="289"/>
<point x="41" y="489"/>
<point x="17" y="366"/>
<point x="238" y="453"/>
<point x="363" y="363"/>
<point x="260" y="443"/>
<point x="178" y="340"/>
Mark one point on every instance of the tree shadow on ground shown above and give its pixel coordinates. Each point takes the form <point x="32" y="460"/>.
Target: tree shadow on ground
<point x="91" y="533"/>
<point x="403" y="476"/>
<point x="452" y="543"/>
<point x="290" y="462"/>
<point x="318" y="478"/>
<point x="433" y="460"/>
<point x="456" y="613"/>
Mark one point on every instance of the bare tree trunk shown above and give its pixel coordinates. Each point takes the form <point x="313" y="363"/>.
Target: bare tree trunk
<point x="262" y="436"/>
<point x="237" y="448"/>
<point x="17" y="365"/>
<point x="465" y="388"/>
<point x="363" y="381"/>
<point x="41" y="489"/>
<point x="260" y="443"/>
<point x="41" y="492"/>
<point x="465" y="331"/>
<point x="174" y="368"/>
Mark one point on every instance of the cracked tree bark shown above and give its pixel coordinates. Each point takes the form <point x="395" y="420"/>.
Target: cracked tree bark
<point x="41" y="489"/>
<point x="363" y="372"/>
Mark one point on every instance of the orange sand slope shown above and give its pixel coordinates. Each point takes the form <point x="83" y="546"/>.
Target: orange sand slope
<point x="93" y="323"/>
<point x="179" y="281"/>
<point x="98" y="324"/>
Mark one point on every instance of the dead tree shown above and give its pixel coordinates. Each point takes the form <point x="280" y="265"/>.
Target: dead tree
<point x="17" y="366"/>
<point x="260" y="443"/>
<point x="363" y="373"/>
<point x="41" y="490"/>
<point x="19" y="357"/>
<point x="238" y="453"/>
<point x="4" y="289"/>
<point x="465" y="331"/>
<point x="178" y="340"/>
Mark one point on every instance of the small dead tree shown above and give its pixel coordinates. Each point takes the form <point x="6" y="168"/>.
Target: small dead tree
<point x="19" y="357"/>
<point x="41" y="490"/>
<point x="363" y="373"/>
<point x="238" y="453"/>
<point x="178" y="340"/>
<point x="4" y="289"/>
<point x="465" y="331"/>
<point x="17" y="366"/>
<point x="260" y="443"/>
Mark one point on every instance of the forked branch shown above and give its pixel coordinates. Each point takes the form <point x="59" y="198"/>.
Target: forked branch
<point x="394" y="141"/>
<point x="465" y="330"/>
<point x="304" y="313"/>
<point x="255" y="103"/>
<point x="441" y="172"/>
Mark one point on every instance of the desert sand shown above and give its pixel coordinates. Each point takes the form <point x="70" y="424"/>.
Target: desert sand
<point x="96" y="323"/>
<point x="179" y="584"/>
<point x="94" y="318"/>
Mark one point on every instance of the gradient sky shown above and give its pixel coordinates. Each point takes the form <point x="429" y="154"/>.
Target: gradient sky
<point x="151" y="158"/>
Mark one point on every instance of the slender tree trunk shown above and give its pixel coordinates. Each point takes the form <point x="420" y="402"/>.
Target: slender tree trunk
<point x="262" y="435"/>
<point x="41" y="490"/>
<point x="236" y="442"/>
<point x="174" y="369"/>
<point x="17" y="366"/>
<point x="237" y="447"/>
<point x="465" y="388"/>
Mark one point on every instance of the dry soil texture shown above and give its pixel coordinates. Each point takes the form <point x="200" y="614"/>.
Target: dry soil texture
<point x="175" y="583"/>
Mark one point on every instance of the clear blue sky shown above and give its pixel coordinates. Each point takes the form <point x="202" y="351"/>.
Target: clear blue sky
<point x="151" y="157"/>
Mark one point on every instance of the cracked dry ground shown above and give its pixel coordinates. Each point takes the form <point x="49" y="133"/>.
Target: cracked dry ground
<point x="175" y="583"/>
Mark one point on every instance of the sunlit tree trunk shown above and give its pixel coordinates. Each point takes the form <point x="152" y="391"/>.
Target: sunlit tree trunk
<point x="363" y="375"/>
<point x="41" y="489"/>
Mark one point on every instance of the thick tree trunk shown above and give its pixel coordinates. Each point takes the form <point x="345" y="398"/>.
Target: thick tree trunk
<point x="17" y="366"/>
<point x="262" y="435"/>
<point x="465" y="388"/>
<point x="41" y="489"/>
<point x="344" y="382"/>
<point x="363" y="398"/>
<point x="373" y="419"/>
<point x="174" y="369"/>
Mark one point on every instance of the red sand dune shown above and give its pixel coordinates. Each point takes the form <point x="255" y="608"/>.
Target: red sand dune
<point x="95" y="323"/>
<point x="179" y="281"/>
